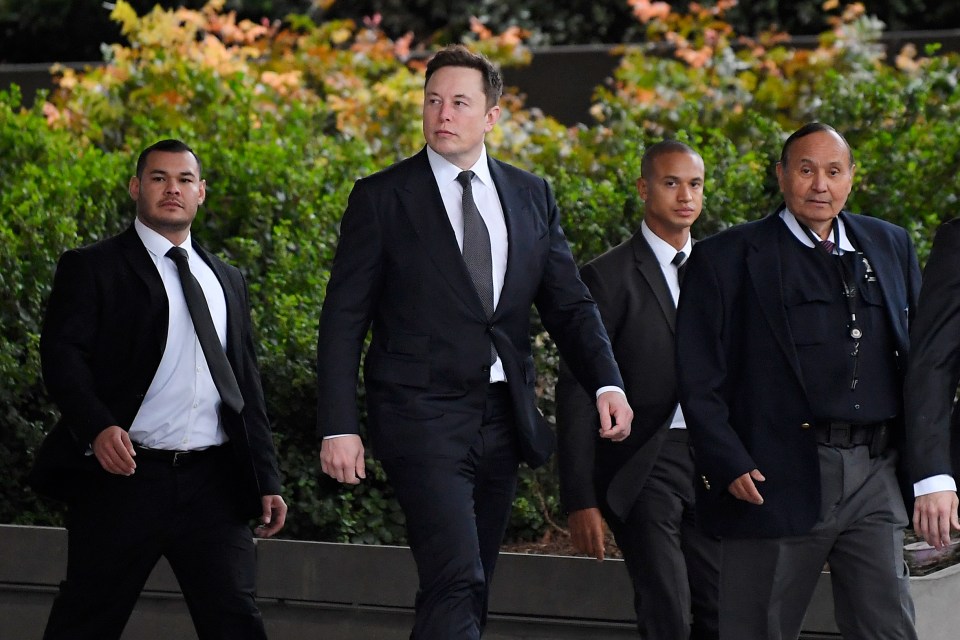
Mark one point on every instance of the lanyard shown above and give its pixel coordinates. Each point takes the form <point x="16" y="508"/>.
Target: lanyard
<point x="849" y="293"/>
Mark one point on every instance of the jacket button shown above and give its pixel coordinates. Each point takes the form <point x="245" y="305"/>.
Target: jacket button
<point x="706" y="483"/>
<point x="805" y="425"/>
<point x="486" y="368"/>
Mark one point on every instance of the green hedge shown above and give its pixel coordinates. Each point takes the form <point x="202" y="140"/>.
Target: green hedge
<point x="287" y="117"/>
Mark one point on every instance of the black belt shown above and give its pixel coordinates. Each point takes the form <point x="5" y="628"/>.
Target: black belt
<point x="846" y="435"/>
<point x="678" y="435"/>
<point x="173" y="457"/>
<point x="498" y="389"/>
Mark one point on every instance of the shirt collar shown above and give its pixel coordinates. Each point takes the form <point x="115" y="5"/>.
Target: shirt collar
<point x="662" y="249"/>
<point x="156" y="243"/>
<point x="794" y="226"/>
<point x="446" y="172"/>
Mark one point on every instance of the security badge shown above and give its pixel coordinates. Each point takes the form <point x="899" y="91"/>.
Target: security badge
<point x="869" y="274"/>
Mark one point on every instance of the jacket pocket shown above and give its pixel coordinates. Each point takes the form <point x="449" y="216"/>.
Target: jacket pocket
<point x="410" y="344"/>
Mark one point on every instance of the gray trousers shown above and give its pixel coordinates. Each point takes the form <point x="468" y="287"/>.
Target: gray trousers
<point x="766" y="584"/>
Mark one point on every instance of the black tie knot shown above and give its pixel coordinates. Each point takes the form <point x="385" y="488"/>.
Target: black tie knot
<point x="178" y="255"/>
<point x="678" y="259"/>
<point x="465" y="178"/>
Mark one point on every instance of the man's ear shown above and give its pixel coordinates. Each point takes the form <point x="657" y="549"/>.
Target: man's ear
<point x="642" y="188"/>
<point x="134" y="187"/>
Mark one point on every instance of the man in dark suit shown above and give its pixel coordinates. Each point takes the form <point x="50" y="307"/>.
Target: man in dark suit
<point x="443" y="254"/>
<point x="163" y="447"/>
<point x="933" y="448"/>
<point x="644" y="487"/>
<point x="791" y="345"/>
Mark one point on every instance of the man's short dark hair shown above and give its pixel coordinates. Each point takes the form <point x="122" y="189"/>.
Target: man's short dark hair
<point x="459" y="56"/>
<point x="661" y="148"/>
<point x="807" y="129"/>
<point x="170" y="146"/>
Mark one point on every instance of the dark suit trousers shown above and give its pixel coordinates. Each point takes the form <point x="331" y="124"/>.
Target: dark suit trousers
<point x="118" y="530"/>
<point x="860" y="533"/>
<point x="673" y="565"/>
<point x="457" y="512"/>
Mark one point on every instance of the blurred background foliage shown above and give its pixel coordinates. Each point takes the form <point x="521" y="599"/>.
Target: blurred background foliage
<point x="287" y="114"/>
<point x="69" y="30"/>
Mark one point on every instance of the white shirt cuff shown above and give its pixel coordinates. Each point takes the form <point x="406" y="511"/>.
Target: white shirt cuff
<point x="932" y="484"/>
<point x="338" y="435"/>
<point x="611" y="388"/>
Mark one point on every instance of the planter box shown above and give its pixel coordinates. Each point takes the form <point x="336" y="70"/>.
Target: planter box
<point x="359" y="592"/>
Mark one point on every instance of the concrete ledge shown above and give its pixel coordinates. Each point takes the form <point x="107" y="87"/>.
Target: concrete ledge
<point x="335" y="591"/>
<point x="358" y="592"/>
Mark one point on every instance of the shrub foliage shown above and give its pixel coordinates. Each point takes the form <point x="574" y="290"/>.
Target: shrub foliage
<point x="286" y="116"/>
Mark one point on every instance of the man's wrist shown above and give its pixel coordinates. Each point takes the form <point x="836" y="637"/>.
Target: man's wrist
<point x="603" y="390"/>
<point x="933" y="484"/>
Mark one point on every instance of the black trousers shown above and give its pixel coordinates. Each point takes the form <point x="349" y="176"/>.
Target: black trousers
<point x="457" y="512"/>
<point x="119" y="529"/>
<point x="674" y="566"/>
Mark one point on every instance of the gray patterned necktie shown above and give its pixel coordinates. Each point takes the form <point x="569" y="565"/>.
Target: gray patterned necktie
<point x="476" y="249"/>
<point x="476" y="245"/>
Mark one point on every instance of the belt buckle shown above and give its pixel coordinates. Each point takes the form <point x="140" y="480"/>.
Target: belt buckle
<point x="179" y="457"/>
<point x="840" y="434"/>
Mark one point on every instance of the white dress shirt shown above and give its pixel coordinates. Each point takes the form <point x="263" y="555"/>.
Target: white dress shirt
<point x="488" y="202"/>
<point x="181" y="408"/>
<point x="665" y="253"/>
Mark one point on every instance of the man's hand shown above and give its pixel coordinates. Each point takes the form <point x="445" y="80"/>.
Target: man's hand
<point x="274" y="516"/>
<point x="342" y="458"/>
<point x="934" y="514"/>
<point x="615" y="415"/>
<point x="114" y="451"/>
<point x="744" y="487"/>
<point x="586" y="531"/>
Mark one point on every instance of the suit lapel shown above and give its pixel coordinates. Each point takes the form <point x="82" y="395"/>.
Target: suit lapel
<point x="516" y="212"/>
<point x="763" y="267"/>
<point x="420" y="199"/>
<point x="139" y="261"/>
<point x="649" y="267"/>
<point x="234" y="300"/>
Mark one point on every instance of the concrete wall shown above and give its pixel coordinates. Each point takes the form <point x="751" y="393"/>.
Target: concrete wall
<point x="335" y="592"/>
<point x="359" y="592"/>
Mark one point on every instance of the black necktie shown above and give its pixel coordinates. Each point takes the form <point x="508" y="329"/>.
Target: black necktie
<point x="476" y="248"/>
<point x="223" y="376"/>
<point x="679" y="264"/>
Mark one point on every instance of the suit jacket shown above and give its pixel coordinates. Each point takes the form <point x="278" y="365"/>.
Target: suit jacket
<point x="102" y="340"/>
<point x="934" y="370"/>
<point x="398" y="268"/>
<point x="638" y="313"/>
<point x="740" y="381"/>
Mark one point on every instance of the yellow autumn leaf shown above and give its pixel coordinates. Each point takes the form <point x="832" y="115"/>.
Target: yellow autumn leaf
<point x="125" y="15"/>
